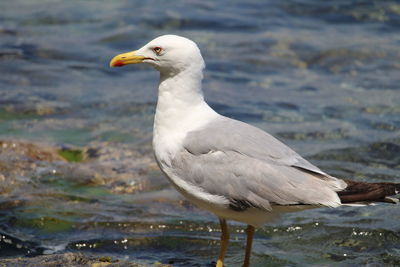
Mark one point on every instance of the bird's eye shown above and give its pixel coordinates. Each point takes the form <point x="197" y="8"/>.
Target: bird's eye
<point x="157" y="50"/>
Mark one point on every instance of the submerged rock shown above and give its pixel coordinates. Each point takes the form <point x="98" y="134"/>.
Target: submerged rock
<point x="118" y="167"/>
<point x="43" y="197"/>
<point x="19" y="160"/>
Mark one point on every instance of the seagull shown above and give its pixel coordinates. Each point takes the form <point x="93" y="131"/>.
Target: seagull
<point x="225" y="166"/>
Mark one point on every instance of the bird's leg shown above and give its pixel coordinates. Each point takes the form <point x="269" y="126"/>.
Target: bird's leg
<point x="250" y="234"/>
<point x="224" y="242"/>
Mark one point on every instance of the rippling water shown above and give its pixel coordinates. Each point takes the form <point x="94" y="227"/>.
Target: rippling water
<point x="323" y="76"/>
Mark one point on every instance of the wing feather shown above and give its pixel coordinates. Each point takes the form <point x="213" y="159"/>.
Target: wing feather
<point x="243" y="163"/>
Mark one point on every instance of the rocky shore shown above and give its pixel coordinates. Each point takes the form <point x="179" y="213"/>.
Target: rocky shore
<point x="71" y="260"/>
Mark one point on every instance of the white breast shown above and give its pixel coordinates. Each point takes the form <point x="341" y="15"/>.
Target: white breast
<point x="173" y="122"/>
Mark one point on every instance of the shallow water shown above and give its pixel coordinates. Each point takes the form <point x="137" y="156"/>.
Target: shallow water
<point x="321" y="76"/>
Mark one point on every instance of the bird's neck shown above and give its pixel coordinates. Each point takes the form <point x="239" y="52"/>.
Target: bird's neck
<point x="180" y="108"/>
<point x="178" y="95"/>
<point x="184" y="86"/>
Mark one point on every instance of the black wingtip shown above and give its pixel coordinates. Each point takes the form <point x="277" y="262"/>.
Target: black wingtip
<point x="370" y="192"/>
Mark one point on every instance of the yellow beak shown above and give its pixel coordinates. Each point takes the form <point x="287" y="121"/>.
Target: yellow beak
<point x="125" y="59"/>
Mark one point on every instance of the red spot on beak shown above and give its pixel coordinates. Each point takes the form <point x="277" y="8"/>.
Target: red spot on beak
<point x="118" y="63"/>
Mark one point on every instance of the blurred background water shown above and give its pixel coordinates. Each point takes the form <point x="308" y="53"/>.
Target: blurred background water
<point x="76" y="167"/>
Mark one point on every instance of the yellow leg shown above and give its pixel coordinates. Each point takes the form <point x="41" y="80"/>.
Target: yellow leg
<point x="250" y="234"/>
<point x="224" y="242"/>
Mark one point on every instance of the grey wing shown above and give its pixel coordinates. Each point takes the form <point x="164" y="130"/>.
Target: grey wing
<point x="251" y="168"/>
<point x="226" y="134"/>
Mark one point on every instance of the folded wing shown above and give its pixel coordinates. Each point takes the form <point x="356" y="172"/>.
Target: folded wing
<point x="249" y="167"/>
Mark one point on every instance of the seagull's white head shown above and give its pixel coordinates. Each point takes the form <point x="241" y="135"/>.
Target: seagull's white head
<point x="170" y="54"/>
